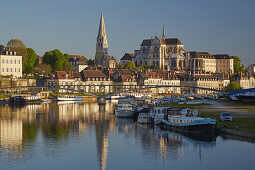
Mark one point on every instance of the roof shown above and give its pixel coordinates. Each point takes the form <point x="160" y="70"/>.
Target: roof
<point x="128" y="56"/>
<point x="76" y="74"/>
<point x="124" y="78"/>
<point x="151" y="74"/>
<point x="110" y="58"/>
<point x="222" y="56"/>
<point x="124" y="72"/>
<point x="195" y="54"/>
<point x="77" y="56"/>
<point x="146" y="42"/>
<point x="80" y="61"/>
<point x="173" y="41"/>
<point x="62" y="75"/>
<point x="93" y="73"/>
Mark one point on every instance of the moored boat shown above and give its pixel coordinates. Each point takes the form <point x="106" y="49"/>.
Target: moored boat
<point x="125" y="108"/>
<point x="185" y="122"/>
<point x="17" y="100"/>
<point x="69" y="98"/>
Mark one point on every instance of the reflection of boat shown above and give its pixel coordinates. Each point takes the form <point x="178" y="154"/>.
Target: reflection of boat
<point x="46" y="100"/>
<point x="69" y="98"/>
<point x="69" y="102"/>
<point x="143" y="118"/>
<point x="124" y="108"/>
<point x="17" y="100"/>
<point x="184" y="122"/>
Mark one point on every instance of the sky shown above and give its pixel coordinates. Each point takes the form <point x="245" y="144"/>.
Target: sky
<point x="215" y="26"/>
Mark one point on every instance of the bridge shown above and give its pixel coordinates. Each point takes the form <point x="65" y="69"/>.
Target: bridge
<point x="105" y="90"/>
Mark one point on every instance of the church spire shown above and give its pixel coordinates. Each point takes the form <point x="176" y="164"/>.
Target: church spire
<point x="101" y="30"/>
<point x="102" y="44"/>
<point x="164" y="33"/>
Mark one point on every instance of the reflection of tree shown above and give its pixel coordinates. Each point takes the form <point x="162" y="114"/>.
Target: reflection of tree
<point x="56" y="131"/>
<point x="29" y="132"/>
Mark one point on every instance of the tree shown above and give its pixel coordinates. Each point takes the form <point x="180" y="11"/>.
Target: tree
<point x="130" y="65"/>
<point x="19" y="47"/>
<point x="154" y="67"/>
<point x="55" y="59"/>
<point x="29" y="64"/>
<point x="232" y="86"/>
<point x="1" y="46"/>
<point x="68" y="67"/>
<point x="43" y="69"/>
<point x="91" y="62"/>
<point x="237" y="65"/>
<point x="120" y="66"/>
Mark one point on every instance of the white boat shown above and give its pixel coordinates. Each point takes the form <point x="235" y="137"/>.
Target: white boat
<point x="69" y="98"/>
<point x="188" y="122"/>
<point x="46" y="100"/>
<point x="157" y="114"/>
<point x="124" y="108"/>
<point x="32" y="98"/>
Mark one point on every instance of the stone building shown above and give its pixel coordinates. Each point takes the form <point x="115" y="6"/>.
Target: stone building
<point x="78" y="64"/>
<point x="166" y="53"/>
<point x="224" y="63"/>
<point x="10" y="63"/>
<point x="202" y="63"/>
<point x="127" y="57"/>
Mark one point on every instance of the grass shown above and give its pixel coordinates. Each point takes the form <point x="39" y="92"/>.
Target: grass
<point x="191" y="106"/>
<point x="243" y="124"/>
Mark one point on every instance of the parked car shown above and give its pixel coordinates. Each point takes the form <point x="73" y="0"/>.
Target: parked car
<point x="225" y="116"/>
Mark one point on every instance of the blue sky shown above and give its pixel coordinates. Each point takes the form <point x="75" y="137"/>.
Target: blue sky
<point x="216" y="26"/>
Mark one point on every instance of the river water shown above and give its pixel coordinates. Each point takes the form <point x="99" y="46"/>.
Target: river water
<point x="68" y="136"/>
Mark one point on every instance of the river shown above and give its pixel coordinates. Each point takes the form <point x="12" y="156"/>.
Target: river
<point x="68" y="136"/>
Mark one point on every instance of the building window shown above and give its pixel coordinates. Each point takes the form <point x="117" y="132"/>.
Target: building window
<point x="14" y="61"/>
<point x="7" y="61"/>
<point x="2" y="69"/>
<point x="3" y="61"/>
<point x="19" y="68"/>
<point x="11" y="69"/>
<point x="7" y="70"/>
<point x="11" y="61"/>
<point x="15" y="68"/>
<point x="19" y="61"/>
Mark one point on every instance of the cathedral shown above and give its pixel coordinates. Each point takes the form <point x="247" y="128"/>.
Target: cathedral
<point x="102" y="58"/>
<point x="165" y="53"/>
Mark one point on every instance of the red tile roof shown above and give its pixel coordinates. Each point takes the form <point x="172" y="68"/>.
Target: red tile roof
<point x="93" y="74"/>
<point x="62" y="75"/>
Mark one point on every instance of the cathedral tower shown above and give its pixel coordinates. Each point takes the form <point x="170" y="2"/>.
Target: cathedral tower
<point x="102" y="45"/>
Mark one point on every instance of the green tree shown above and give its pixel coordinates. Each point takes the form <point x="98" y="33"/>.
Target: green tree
<point x="91" y="62"/>
<point x="55" y="59"/>
<point x="154" y="67"/>
<point x="1" y="46"/>
<point x="29" y="64"/>
<point x="237" y="65"/>
<point x="19" y="47"/>
<point x="232" y="86"/>
<point x="130" y="65"/>
<point x="68" y="67"/>
<point x="43" y="69"/>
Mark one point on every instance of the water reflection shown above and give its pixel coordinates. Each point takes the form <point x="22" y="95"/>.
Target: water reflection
<point x="54" y="128"/>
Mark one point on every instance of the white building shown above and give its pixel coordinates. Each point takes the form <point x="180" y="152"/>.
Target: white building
<point x="10" y="63"/>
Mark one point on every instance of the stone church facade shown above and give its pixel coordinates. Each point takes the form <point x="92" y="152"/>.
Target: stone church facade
<point x="166" y="53"/>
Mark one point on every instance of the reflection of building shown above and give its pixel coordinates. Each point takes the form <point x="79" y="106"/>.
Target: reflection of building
<point x="11" y="134"/>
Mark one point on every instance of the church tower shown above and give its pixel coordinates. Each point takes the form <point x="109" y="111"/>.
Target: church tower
<point x="164" y="32"/>
<point x="102" y="45"/>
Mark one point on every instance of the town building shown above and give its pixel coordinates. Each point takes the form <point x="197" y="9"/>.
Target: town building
<point x="199" y="81"/>
<point x="78" y="63"/>
<point x="94" y="78"/>
<point x="224" y="64"/>
<point x="202" y="63"/>
<point x="10" y="63"/>
<point x="162" y="78"/>
<point x="251" y="69"/>
<point x="62" y="80"/>
<point x="127" y="57"/>
<point x="125" y="79"/>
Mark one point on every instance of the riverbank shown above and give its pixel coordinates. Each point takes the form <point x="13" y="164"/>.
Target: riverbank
<point x="243" y="123"/>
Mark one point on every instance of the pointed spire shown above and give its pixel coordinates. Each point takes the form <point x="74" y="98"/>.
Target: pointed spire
<point x="164" y="33"/>
<point x="101" y="31"/>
